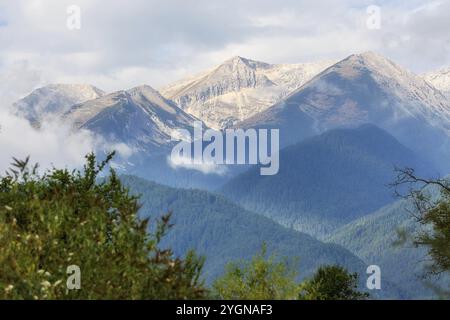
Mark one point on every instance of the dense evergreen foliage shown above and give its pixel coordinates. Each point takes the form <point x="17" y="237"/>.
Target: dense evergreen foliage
<point x="326" y="181"/>
<point x="373" y="239"/>
<point x="222" y="231"/>
<point x="378" y="239"/>
<point x="59" y="219"/>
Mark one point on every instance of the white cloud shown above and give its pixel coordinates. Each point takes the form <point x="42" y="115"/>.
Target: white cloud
<point x="125" y="43"/>
<point x="17" y="80"/>
<point x="204" y="167"/>
<point x="53" y="144"/>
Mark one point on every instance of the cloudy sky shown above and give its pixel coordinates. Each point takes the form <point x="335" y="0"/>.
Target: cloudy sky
<point x="122" y="43"/>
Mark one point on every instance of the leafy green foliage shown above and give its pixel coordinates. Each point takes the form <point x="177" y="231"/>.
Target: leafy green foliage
<point x="437" y="241"/>
<point x="267" y="278"/>
<point x="261" y="278"/>
<point x="433" y="214"/>
<point x="51" y="221"/>
<point x="332" y="283"/>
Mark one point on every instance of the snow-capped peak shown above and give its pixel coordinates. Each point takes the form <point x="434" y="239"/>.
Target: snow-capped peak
<point x="439" y="79"/>
<point x="375" y="63"/>
<point x="140" y="116"/>
<point x="54" y="100"/>
<point x="77" y="89"/>
<point x="237" y="60"/>
<point x="411" y="89"/>
<point x="239" y="88"/>
<point x="147" y="92"/>
<point x="365" y="88"/>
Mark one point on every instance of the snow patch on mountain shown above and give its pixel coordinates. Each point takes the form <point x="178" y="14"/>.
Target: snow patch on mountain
<point x="439" y="79"/>
<point x="239" y="88"/>
<point x="53" y="100"/>
<point x="365" y="88"/>
<point x="140" y="117"/>
<point x="410" y="93"/>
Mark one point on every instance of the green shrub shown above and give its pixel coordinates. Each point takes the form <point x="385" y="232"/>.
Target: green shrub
<point x="61" y="218"/>
<point x="262" y="278"/>
<point x="332" y="283"/>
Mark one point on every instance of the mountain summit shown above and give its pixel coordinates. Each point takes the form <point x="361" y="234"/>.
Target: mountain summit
<point x="439" y="79"/>
<point x="54" y="100"/>
<point x="139" y="117"/>
<point x="238" y="89"/>
<point x="365" y="88"/>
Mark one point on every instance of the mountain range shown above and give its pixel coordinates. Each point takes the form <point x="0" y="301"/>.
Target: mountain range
<point x="305" y="100"/>
<point x="344" y="126"/>
<point x="238" y="89"/>
<point x="365" y="88"/>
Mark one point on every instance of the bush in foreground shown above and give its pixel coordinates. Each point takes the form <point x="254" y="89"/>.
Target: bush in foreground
<point x="59" y="219"/>
<point x="266" y="278"/>
<point x="261" y="278"/>
<point x="332" y="283"/>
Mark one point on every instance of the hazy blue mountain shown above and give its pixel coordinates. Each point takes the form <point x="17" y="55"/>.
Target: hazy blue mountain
<point x="366" y="88"/>
<point x="373" y="239"/>
<point x="223" y="232"/>
<point x="328" y="180"/>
